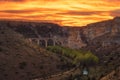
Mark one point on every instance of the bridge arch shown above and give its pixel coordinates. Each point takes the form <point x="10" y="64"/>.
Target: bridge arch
<point x="50" y="42"/>
<point x="42" y="43"/>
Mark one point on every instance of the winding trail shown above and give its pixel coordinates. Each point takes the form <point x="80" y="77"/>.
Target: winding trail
<point x="62" y="75"/>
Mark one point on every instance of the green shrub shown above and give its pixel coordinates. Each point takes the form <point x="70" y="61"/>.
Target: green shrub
<point x="87" y="59"/>
<point x="78" y="56"/>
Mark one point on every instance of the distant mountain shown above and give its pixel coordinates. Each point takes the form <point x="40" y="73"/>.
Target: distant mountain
<point x="21" y="60"/>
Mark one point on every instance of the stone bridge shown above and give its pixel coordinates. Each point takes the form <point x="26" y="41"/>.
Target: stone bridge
<point x="45" y="41"/>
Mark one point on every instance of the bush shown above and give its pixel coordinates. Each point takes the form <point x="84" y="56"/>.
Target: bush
<point x="87" y="59"/>
<point x="78" y="56"/>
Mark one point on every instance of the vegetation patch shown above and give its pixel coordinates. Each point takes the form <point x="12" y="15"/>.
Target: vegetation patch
<point x="78" y="56"/>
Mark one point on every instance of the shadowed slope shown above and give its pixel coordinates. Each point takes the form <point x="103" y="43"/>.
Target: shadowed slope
<point x="22" y="61"/>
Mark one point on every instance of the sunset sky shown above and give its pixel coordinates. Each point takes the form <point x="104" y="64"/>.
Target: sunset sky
<point x="63" y="12"/>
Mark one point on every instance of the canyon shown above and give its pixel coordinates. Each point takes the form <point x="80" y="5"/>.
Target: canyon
<point x="101" y="38"/>
<point x="47" y="34"/>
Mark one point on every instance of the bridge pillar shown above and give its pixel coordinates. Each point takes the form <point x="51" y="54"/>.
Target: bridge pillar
<point x="38" y="42"/>
<point x="46" y="43"/>
<point x="61" y="43"/>
<point x="53" y="43"/>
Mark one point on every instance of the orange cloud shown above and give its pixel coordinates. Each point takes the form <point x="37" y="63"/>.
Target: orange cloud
<point x="63" y="12"/>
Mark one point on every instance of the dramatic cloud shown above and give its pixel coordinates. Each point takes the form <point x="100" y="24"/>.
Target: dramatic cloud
<point x="115" y="12"/>
<point x="63" y="12"/>
<point x="11" y="0"/>
<point x="17" y="11"/>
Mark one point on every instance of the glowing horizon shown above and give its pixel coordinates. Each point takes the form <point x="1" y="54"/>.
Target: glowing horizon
<point x="63" y="12"/>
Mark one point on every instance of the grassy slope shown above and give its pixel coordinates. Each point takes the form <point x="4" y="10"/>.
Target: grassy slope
<point x="20" y="60"/>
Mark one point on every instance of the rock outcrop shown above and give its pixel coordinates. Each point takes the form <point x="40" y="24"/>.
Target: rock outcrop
<point x="102" y="38"/>
<point x="72" y="37"/>
<point x="92" y="31"/>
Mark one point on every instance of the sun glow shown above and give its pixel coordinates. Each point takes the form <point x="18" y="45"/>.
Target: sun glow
<point x="63" y="12"/>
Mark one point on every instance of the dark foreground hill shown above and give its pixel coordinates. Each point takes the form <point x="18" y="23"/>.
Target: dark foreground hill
<point x="20" y="60"/>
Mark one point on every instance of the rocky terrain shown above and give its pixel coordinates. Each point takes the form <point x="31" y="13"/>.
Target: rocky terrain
<point x="114" y="75"/>
<point x="101" y="38"/>
<point x="65" y="36"/>
<point x="21" y="60"/>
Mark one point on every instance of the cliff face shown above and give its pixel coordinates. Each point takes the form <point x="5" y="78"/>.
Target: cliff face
<point x="103" y="39"/>
<point x="64" y="36"/>
<point x="103" y="36"/>
<point x="47" y="34"/>
<point x="94" y="30"/>
<point x="74" y="39"/>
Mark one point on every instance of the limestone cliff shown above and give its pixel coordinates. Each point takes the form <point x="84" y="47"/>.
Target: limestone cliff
<point x="46" y="34"/>
<point x="74" y="39"/>
<point x="94" y="30"/>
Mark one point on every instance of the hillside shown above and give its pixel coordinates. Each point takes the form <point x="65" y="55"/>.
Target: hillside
<point x="21" y="60"/>
<point x="106" y="45"/>
<point x="114" y="75"/>
<point x="33" y="29"/>
<point x="101" y="38"/>
<point x="72" y="37"/>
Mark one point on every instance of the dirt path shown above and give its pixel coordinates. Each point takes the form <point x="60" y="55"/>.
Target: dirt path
<point x="61" y="76"/>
